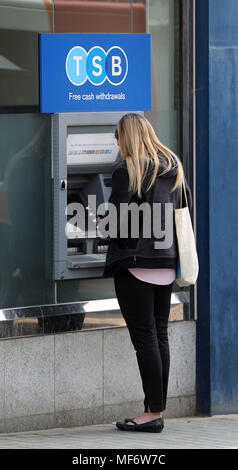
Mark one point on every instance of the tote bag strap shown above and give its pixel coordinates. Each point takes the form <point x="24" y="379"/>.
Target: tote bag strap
<point x="181" y="199"/>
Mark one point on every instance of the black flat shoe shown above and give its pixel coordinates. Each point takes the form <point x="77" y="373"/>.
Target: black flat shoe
<point x="156" y="425"/>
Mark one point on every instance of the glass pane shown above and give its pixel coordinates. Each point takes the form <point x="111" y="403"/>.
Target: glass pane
<point x="98" y="16"/>
<point x="85" y="289"/>
<point x="26" y="203"/>
<point x="25" y="210"/>
<point x="19" y="24"/>
<point x="25" y="164"/>
<point x="163" y="22"/>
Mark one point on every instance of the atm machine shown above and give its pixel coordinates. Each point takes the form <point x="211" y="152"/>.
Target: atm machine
<point x="85" y="153"/>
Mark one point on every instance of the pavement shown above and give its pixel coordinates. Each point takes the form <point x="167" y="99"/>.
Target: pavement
<point x="216" y="432"/>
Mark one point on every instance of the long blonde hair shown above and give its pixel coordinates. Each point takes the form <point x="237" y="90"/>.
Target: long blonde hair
<point x="139" y="145"/>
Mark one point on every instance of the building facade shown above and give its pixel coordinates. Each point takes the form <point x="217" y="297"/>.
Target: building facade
<point x="62" y="326"/>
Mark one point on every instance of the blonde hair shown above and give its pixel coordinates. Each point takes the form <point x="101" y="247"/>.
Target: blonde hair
<point x="139" y="145"/>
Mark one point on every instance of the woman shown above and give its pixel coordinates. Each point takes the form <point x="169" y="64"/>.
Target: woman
<point x="143" y="271"/>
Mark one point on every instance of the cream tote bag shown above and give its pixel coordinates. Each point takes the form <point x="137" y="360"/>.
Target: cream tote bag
<point x="188" y="267"/>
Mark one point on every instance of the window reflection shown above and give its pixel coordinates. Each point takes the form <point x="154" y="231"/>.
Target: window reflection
<point x="25" y="210"/>
<point x="20" y="22"/>
<point x="164" y="25"/>
<point x="29" y="135"/>
<point x="85" y="16"/>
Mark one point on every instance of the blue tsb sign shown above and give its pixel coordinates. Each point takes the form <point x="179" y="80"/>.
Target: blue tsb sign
<point x="94" y="72"/>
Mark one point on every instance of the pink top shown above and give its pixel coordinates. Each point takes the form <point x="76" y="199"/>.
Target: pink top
<point x="160" y="276"/>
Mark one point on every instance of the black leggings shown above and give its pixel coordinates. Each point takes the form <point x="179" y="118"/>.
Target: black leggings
<point x="145" y="308"/>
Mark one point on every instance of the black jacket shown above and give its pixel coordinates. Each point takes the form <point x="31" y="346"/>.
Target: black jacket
<point x="141" y="252"/>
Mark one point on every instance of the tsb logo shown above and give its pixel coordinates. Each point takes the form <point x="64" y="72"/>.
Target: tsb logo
<point x="96" y="65"/>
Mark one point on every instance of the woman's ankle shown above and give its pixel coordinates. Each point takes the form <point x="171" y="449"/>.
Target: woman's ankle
<point x="155" y="413"/>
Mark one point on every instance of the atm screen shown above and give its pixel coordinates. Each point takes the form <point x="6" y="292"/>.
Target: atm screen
<point x="91" y="148"/>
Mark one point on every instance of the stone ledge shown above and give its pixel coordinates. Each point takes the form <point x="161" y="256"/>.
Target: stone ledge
<point x="176" y="407"/>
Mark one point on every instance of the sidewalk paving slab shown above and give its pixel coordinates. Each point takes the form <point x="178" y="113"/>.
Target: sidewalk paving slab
<point x="216" y="432"/>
